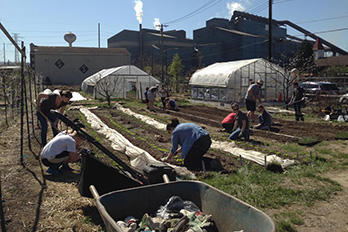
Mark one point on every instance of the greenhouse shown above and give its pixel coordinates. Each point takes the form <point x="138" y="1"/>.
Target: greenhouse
<point x="229" y="81"/>
<point x="116" y="82"/>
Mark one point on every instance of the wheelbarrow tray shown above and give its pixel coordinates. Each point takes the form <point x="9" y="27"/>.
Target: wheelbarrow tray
<point x="228" y="212"/>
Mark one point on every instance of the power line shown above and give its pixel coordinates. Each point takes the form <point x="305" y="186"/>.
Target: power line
<point x="259" y="7"/>
<point x="320" y="20"/>
<point x="328" y="31"/>
<point x="206" y="6"/>
<point x="282" y="1"/>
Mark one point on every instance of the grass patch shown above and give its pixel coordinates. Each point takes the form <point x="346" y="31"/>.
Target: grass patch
<point x="291" y="147"/>
<point x="342" y="135"/>
<point x="291" y="217"/>
<point x="264" y="189"/>
<point x="308" y="141"/>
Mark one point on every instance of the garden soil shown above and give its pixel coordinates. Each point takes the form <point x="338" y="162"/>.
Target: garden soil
<point x="32" y="200"/>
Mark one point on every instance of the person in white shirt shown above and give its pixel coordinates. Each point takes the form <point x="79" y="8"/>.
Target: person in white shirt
<point x="60" y="151"/>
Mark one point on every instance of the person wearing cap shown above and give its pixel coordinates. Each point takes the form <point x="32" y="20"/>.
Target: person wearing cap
<point x="60" y="151"/>
<point x="297" y="99"/>
<point x="252" y="97"/>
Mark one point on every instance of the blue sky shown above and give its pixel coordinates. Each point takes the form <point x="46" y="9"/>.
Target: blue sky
<point x="44" y="22"/>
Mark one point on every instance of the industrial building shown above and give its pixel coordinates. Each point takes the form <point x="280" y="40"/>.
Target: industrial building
<point x="245" y="36"/>
<point x="71" y="65"/>
<point x="148" y="46"/>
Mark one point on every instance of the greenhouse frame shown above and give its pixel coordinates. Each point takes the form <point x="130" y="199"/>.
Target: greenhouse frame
<point x="229" y="81"/>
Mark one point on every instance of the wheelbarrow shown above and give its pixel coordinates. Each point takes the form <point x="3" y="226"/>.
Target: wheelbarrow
<point x="229" y="213"/>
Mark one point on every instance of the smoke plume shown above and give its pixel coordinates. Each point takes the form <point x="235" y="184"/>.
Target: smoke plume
<point x="139" y="10"/>
<point x="232" y="6"/>
<point x="157" y="24"/>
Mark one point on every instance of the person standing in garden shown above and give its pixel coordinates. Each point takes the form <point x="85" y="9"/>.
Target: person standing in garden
<point x="164" y="94"/>
<point x="46" y="102"/>
<point x="297" y="100"/>
<point x="253" y="97"/>
<point x="152" y="96"/>
<point x="146" y="94"/>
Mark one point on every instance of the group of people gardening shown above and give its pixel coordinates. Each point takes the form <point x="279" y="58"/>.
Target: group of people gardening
<point x="64" y="146"/>
<point x="237" y="122"/>
<point x="188" y="139"/>
<point x="150" y="97"/>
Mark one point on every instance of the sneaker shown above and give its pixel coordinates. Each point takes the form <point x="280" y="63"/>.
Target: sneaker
<point x="54" y="170"/>
<point x="216" y="165"/>
<point x="66" y="167"/>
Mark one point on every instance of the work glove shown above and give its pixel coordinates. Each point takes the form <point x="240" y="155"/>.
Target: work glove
<point x="164" y="159"/>
<point x="240" y="135"/>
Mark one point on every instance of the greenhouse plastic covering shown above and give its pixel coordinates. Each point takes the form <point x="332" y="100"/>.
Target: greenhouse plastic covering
<point x="222" y="74"/>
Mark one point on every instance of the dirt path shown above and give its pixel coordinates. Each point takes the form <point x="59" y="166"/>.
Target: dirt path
<point x="329" y="216"/>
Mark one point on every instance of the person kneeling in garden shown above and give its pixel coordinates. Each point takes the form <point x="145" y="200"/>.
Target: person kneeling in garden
<point x="171" y="104"/>
<point x="194" y="142"/>
<point x="265" y="119"/>
<point x="241" y="124"/>
<point x="60" y="151"/>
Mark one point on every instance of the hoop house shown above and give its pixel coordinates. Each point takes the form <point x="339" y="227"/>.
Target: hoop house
<point x="229" y="81"/>
<point x="116" y="82"/>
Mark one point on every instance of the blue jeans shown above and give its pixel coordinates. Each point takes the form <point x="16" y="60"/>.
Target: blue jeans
<point x="44" y="126"/>
<point x="235" y="134"/>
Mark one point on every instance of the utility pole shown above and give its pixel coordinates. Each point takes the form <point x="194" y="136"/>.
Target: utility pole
<point x="270" y="32"/>
<point x="98" y="35"/>
<point x="162" y="55"/>
<point x="4" y="55"/>
<point x="16" y="58"/>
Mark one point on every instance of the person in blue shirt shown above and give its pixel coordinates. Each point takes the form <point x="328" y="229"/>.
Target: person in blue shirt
<point x="194" y="142"/>
<point x="265" y="119"/>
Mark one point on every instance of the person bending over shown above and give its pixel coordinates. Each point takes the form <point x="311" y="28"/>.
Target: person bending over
<point x="45" y="103"/>
<point x="194" y="142"/>
<point x="228" y="122"/>
<point x="171" y="104"/>
<point x="252" y="97"/>
<point x="60" y="151"/>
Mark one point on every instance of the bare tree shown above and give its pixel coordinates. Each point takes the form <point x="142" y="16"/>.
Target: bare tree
<point x="106" y="87"/>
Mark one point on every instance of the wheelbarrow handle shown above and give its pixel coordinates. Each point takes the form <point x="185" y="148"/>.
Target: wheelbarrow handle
<point x="94" y="192"/>
<point x="165" y="178"/>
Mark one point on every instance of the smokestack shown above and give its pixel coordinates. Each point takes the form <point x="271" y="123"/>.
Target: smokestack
<point x="139" y="11"/>
<point x="141" y="45"/>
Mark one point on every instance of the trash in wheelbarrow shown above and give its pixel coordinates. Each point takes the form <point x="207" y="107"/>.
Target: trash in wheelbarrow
<point x="228" y="213"/>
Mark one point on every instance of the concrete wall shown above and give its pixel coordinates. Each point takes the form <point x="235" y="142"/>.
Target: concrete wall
<point x="72" y="67"/>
